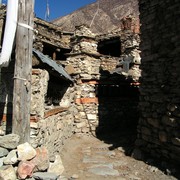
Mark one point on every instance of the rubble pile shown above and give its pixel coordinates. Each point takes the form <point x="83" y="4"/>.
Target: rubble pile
<point x="22" y="161"/>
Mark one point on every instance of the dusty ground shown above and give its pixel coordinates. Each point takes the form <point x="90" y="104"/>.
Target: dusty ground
<point x="88" y="158"/>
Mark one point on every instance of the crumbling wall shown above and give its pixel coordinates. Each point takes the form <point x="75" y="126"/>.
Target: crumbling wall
<point x="49" y="33"/>
<point x="50" y="125"/>
<point x="85" y="69"/>
<point x="47" y="122"/>
<point x="86" y="118"/>
<point x="52" y="131"/>
<point x="91" y="70"/>
<point x="158" y="130"/>
<point x="83" y="64"/>
<point x="39" y="86"/>
<point x="128" y="63"/>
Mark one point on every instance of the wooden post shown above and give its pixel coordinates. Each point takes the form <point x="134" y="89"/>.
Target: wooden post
<point x="23" y="71"/>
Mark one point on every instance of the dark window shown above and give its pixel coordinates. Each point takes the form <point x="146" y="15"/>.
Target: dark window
<point x="110" y="47"/>
<point x="54" y="52"/>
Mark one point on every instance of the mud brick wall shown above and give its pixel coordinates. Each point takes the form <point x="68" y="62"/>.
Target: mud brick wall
<point x="158" y="130"/>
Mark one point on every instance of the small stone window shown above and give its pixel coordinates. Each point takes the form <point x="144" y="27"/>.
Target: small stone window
<point x="54" y="52"/>
<point x="111" y="47"/>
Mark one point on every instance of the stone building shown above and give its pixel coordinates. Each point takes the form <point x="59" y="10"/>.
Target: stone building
<point x="50" y="83"/>
<point x="91" y="83"/>
<point x="158" y="128"/>
<point x="99" y="65"/>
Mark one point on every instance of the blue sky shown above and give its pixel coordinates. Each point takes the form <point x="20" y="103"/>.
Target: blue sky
<point x="59" y="7"/>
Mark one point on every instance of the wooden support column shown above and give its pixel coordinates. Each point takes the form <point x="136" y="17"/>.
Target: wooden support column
<point x="23" y="70"/>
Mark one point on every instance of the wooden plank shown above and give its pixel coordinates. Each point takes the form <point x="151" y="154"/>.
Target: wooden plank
<point x="54" y="111"/>
<point x="23" y="71"/>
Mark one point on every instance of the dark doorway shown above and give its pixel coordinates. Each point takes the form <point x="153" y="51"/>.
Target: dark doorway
<point x="118" y="112"/>
<point x="111" y="47"/>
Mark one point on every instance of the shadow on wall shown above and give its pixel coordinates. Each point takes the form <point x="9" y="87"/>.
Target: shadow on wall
<point x="56" y="91"/>
<point x="118" y="111"/>
<point x="6" y="97"/>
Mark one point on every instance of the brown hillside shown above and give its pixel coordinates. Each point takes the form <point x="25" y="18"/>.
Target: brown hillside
<point x="107" y="19"/>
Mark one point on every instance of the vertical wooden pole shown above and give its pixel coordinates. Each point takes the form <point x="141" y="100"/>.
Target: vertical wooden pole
<point x="23" y="70"/>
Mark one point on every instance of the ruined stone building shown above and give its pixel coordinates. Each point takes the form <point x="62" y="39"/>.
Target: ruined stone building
<point x="98" y="84"/>
<point x="99" y="65"/>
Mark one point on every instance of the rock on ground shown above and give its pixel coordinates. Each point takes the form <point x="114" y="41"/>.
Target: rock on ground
<point x="7" y="173"/>
<point x="9" y="141"/>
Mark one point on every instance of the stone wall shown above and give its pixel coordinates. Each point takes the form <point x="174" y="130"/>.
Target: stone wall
<point x="158" y="130"/>
<point x="86" y="119"/>
<point x="50" y="124"/>
<point x="39" y="87"/>
<point x="109" y="63"/>
<point x="77" y="108"/>
<point x="52" y="131"/>
<point x="91" y="70"/>
<point x="51" y="34"/>
<point x="56" y="122"/>
<point x="83" y="64"/>
<point x="129" y="60"/>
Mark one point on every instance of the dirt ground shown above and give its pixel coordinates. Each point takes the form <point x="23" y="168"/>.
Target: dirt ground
<point x="87" y="158"/>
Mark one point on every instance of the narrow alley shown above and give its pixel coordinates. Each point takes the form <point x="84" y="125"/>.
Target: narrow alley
<point x="88" y="158"/>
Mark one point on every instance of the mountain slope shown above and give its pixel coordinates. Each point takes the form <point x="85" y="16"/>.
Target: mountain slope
<point x="107" y="19"/>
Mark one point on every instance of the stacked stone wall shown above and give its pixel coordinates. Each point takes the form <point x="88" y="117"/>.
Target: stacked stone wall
<point x="51" y="132"/>
<point x="158" y="130"/>
<point x="86" y="74"/>
<point x="51" y="34"/>
<point x="109" y="63"/>
<point x="50" y="125"/>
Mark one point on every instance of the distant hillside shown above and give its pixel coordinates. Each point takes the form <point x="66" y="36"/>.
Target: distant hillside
<point x="107" y="19"/>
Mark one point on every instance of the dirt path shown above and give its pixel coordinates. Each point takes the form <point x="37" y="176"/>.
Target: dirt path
<point x="87" y="158"/>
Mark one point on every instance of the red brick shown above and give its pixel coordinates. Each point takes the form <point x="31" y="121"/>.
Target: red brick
<point x="86" y="100"/>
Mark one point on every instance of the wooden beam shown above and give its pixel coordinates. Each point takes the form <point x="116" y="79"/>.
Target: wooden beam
<point x="23" y="68"/>
<point x="54" y="111"/>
